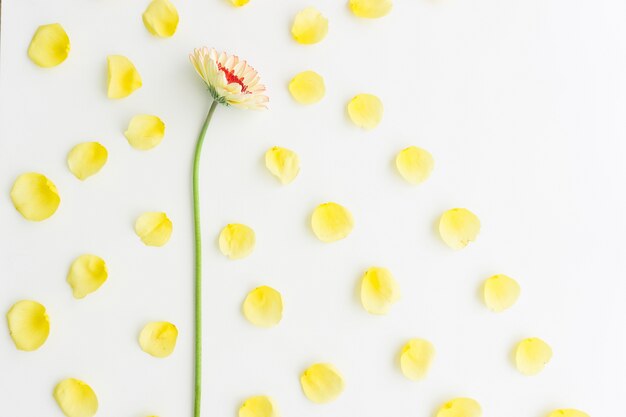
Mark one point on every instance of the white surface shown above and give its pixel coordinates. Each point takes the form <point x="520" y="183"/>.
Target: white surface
<point x="522" y="105"/>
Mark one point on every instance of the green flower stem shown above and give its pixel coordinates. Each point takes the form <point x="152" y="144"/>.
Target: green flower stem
<point x="198" y="258"/>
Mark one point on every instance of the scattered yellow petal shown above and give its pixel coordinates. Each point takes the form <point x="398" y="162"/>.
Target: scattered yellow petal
<point x="415" y="164"/>
<point x="500" y="292"/>
<point x="532" y="355"/>
<point x="145" y="131"/>
<point x="237" y="241"/>
<point x="35" y="196"/>
<point x="458" y="227"/>
<point x="283" y="163"/>
<point x="50" y="45"/>
<point x="416" y="357"/>
<point x="29" y="325"/>
<point x="259" y="406"/>
<point x="568" y="412"/>
<point x="371" y="9"/>
<point x="307" y="87"/>
<point x="239" y="3"/>
<point x="76" y="398"/>
<point x="366" y="111"/>
<point x="263" y="307"/>
<point x="86" y="159"/>
<point x="331" y="222"/>
<point x="158" y="338"/>
<point x="86" y="275"/>
<point x="322" y="383"/>
<point x="123" y="77"/>
<point x="379" y="290"/>
<point x="460" y="407"/>
<point x="154" y="228"/>
<point x="309" y="26"/>
<point x="161" y="18"/>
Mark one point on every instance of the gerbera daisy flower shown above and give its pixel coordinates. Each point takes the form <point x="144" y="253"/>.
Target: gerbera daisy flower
<point x="230" y="80"/>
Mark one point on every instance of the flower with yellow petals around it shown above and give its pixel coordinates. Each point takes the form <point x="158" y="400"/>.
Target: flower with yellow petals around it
<point x="532" y="355"/>
<point x="365" y="111"/>
<point x="34" y="196"/>
<point x="458" y="227"/>
<point x="379" y="290"/>
<point x="86" y="275"/>
<point x="309" y="26"/>
<point x="29" y="325"/>
<point x="263" y="307"/>
<point x="414" y="164"/>
<point x="283" y="163"/>
<point x="259" y="406"/>
<point x="76" y="398"/>
<point x="237" y="241"/>
<point x="460" y="407"/>
<point x="568" y="412"/>
<point x="154" y="228"/>
<point x="145" y="131"/>
<point x="370" y="9"/>
<point x="322" y="383"/>
<point x="50" y="45"/>
<point x="161" y="18"/>
<point x="416" y="357"/>
<point x="239" y="3"/>
<point x="87" y="159"/>
<point x="307" y="87"/>
<point x="230" y="80"/>
<point x="158" y="338"/>
<point x="331" y="222"/>
<point x="123" y="78"/>
<point x="500" y="292"/>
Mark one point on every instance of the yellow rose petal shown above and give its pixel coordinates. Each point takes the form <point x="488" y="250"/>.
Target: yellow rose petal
<point x="532" y="355"/>
<point x="460" y="407"/>
<point x="568" y="412"/>
<point x="161" y="18"/>
<point x="331" y="222"/>
<point x="458" y="227"/>
<point x="263" y="307"/>
<point x="416" y="357"/>
<point x="500" y="292"/>
<point x="158" y="338"/>
<point x="35" y="196"/>
<point x="50" y="45"/>
<point x="123" y="77"/>
<point x="283" y="163"/>
<point x="414" y="164"/>
<point x="145" y="131"/>
<point x="29" y="325"/>
<point x="366" y="111"/>
<point x="154" y="228"/>
<point x="309" y="26"/>
<point x="76" y="398"/>
<point x="259" y="406"/>
<point x="322" y="383"/>
<point x="237" y="241"/>
<point x="379" y="290"/>
<point x="239" y="3"/>
<point x="371" y="9"/>
<point x="86" y="159"/>
<point x="307" y="87"/>
<point x="86" y="275"/>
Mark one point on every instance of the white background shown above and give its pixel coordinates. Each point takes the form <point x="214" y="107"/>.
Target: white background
<point x="522" y="104"/>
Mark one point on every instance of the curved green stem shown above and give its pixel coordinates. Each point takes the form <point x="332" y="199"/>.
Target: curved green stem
<point x="198" y="259"/>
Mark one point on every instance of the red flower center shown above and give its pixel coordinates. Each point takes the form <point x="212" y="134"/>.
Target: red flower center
<point x="232" y="78"/>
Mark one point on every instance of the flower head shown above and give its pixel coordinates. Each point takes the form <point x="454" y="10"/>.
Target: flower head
<point x="231" y="81"/>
